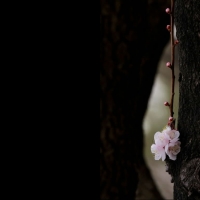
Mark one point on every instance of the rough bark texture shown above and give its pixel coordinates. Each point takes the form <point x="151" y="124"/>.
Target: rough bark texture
<point x="185" y="170"/>
<point x="133" y="36"/>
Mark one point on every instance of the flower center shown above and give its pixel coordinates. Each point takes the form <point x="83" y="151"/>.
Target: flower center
<point x="171" y="134"/>
<point x="174" y="149"/>
<point x="162" y="138"/>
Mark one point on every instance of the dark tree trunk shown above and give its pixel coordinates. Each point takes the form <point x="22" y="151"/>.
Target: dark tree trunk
<point x="185" y="170"/>
<point x="133" y="36"/>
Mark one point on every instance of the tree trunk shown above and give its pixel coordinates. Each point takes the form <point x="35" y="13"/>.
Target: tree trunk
<point x="133" y="36"/>
<point x="185" y="170"/>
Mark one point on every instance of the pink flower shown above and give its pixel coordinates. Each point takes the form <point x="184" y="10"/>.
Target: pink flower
<point x="173" y="134"/>
<point x="172" y="149"/>
<point x="166" y="142"/>
<point x="159" y="151"/>
<point x="161" y="138"/>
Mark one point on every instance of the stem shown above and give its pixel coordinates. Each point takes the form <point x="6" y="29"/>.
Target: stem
<point x="172" y="57"/>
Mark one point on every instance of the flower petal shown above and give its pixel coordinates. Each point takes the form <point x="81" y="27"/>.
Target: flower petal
<point x="163" y="155"/>
<point x="153" y="148"/>
<point x="156" y="136"/>
<point x="172" y="157"/>
<point x="166" y="148"/>
<point x="161" y="139"/>
<point x="177" y="134"/>
<point x="157" y="156"/>
<point x="174" y="140"/>
<point x="167" y="136"/>
<point x="167" y="128"/>
<point x="159" y="142"/>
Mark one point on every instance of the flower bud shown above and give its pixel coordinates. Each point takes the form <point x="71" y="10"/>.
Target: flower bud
<point x="170" y="119"/>
<point x="167" y="11"/>
<point x="168" y="27"/>
<point x="168" y="64"/>
<point x="176" y="42"/>
<point x="166" y="103"/>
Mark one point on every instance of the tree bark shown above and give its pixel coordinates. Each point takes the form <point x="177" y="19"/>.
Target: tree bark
<point x="133" y="36"/>
<point x="185" y="170"/>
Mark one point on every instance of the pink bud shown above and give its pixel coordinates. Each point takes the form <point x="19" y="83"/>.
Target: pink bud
<point x="168" y="64"/>
<point x="166" y="103"/>
<point x="170" y="119"/>
<point x="176" y="42"/>
<point x="168" y="27"/>
<point x="167" y="11"/>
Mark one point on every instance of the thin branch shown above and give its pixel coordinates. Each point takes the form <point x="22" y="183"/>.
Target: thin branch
<point x="172" y="57"/>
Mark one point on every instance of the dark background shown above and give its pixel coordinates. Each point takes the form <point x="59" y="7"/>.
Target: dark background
<point x="132" y="39"/>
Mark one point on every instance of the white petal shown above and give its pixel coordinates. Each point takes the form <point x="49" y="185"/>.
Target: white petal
<point x="157" y="156"/>
<point x="177" y="134"/>
<point x="166" y="148"/>
<point x="159" y="142"/>
<point x="166" y="136"/>
<point x="166" y="129"/>
<point x="171" y="144"/>
<point x="163" y="156"/>
<point x="153" y="148"/>
<point x="174" y="140"/>
<point x="172" y="157"/>
<point x="156" y="136"/>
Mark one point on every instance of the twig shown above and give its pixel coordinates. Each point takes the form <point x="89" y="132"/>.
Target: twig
<point x="170" y="28"/>
<point x="172" y="57"/>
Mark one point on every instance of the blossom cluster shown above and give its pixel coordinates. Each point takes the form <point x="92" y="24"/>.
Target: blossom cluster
<point x="166" y="142"/>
